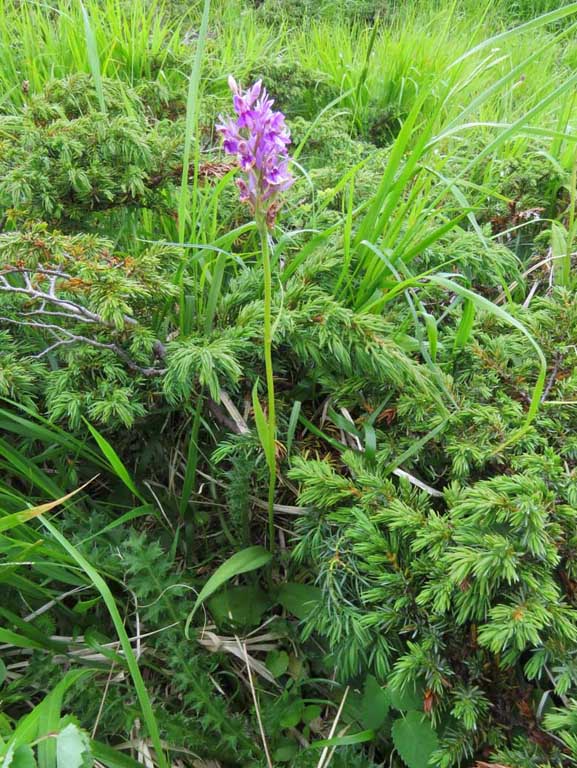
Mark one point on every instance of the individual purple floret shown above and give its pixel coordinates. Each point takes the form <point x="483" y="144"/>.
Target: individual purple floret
<point x="259" y="138"/>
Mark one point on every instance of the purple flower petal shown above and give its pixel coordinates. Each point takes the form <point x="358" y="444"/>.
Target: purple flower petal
<point x="259" y="138"/>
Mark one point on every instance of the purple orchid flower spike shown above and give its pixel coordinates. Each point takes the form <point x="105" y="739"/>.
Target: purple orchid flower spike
<point x="259" y="138"/>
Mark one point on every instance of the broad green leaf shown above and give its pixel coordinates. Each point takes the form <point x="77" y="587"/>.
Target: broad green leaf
<point x="314" y="123"/>
<point x="192" y="109"/>
<point x="307" y="249"/>
<point x="241" y="605"/>
<point x="8" y="756"/>
<point x="93" y="57"/>
<point x="292" y="714"/>
<point x="21" y="641"/>
<point x="2" y="672"/>
<point x="414" y="739"/>
<point x="23" y="757"/>
<point x="132" y="514"/>
<point x="39" y="428"/>
<point x="84" y="606"/>
<point x="277" y="662"/>
<point x="293" y="421"/>
<point x="45" y="716"/>
<point x="286" y="752"/>
<point x="512" y="74"/>
<point x="375" y="704"/>
<point x="72" y="748"/>
<point x="415" y="447"/>
<point x="217" y="275"/>
<point x="29" y="470"/>
<point x="561" y="254"/>
<point x="112" y="758"/>
<point x="370" y="442"/>
<point x="498" y="39"/>
<point x="246" y="560"/>
<point x="192" y="456"/>
<point x="299" y="599"/>
<point x="312" y="712"/>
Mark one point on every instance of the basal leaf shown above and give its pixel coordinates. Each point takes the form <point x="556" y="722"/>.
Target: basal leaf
<point x="262" y="427"/>
<point x="414" y="739"/>
<point x="299" y="599"/>
<point x="375" y="704"/>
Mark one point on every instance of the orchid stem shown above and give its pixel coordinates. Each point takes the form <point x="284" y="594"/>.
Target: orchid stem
<point x="270" y="450"/>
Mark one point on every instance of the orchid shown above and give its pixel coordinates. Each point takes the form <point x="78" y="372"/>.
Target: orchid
<point x="259" y="138"/>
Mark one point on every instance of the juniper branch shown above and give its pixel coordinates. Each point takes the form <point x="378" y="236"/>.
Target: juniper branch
<point x="71" y="311"/>
<point x="72" y="338"/>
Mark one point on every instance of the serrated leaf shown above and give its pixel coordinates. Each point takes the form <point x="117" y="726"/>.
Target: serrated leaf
<point x="406" y="698"/>
<point x="375" y="704"/>
<point x="73" y="748"/>
<point x="414" y="739"/>
<point x="23" y="757"/>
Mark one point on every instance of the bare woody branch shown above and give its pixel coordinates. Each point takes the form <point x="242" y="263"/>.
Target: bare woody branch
<point x="54" y="306"/>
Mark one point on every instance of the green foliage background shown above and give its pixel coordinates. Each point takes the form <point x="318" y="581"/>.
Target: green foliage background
<point x="421" y="606"/>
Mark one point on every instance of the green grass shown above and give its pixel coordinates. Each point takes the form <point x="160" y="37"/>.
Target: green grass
<point x="413" y="473"/>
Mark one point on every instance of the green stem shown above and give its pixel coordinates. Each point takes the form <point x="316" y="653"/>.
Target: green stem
<point x="271" y="432"/>
<point x="566" y="265"/>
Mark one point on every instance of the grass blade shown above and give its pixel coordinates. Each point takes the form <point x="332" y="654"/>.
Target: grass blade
<point x="501" y="314"/>
<point x="191" y="119"/>
<point x="102" y="587"/>
<point x="17" y="518"/>
<point x="540" y="21"/>
<point x="93" y="57"/>
<point x="114" y="460"/>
